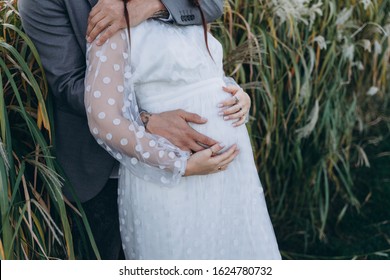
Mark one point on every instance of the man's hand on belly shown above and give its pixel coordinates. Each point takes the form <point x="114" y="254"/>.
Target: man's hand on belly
<point x="173" y="125"/>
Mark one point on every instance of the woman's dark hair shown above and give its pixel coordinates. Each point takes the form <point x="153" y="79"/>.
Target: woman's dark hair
<point x="127" y="16"/>
<point x="204" y="22"/>
<point x="195" y="2"/>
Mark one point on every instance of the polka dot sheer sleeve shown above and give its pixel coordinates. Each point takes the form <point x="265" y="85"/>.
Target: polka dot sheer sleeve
<point x="114" y="120"/>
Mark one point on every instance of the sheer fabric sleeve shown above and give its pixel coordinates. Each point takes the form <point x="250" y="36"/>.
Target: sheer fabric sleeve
<point x="114" y="120"/>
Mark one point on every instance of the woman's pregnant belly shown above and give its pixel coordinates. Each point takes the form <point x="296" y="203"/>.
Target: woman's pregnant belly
<point x="201" y="98"/>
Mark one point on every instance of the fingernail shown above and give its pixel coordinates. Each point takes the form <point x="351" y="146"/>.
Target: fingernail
<point x="220" y="105"/>
<point x="98" y="42"/>
<point x="204" y="119"/>
<point x="226" y="118"/>
<point x="221" y="113"/>
<point x="222" y="145"/>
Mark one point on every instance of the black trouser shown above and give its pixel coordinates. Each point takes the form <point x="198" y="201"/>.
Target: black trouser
<point x="102" y="215"/>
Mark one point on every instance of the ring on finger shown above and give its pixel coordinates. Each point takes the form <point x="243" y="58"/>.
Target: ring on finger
<point x="236" y="99"/>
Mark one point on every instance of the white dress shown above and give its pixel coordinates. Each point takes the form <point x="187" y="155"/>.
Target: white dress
<point x="162" y="214"/>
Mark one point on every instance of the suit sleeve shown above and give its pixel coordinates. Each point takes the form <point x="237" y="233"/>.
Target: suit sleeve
<point x="184" y="12"/>
<point x="48" y="25"/>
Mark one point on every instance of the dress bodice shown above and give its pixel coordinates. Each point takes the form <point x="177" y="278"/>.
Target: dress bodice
<point x="168" y="53"/>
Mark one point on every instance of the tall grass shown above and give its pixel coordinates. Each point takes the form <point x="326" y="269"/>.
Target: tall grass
<point x="34" y="217"/>
<point x="318" y="75"/>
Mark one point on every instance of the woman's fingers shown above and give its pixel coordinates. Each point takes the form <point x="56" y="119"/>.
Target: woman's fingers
<point x="225" y="164"/>
<point x="232" y="100"/>
<point x="231" y="89"/>
<point x="236" y="107"/>
<point x="223" y="160"/>
<point x="218" y="159"/>
<point x="239" y="114"/>
<point x="210" y="160"/>
<point x="240" y="121"/>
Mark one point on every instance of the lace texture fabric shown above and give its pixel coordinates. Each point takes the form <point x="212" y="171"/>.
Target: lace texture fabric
<point x="114" y="119"/>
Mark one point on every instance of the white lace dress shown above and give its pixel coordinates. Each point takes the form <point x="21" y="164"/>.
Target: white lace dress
<point x="162" y="214"/>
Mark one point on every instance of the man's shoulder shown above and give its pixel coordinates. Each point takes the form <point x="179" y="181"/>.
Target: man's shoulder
<point x="52" y="5"/>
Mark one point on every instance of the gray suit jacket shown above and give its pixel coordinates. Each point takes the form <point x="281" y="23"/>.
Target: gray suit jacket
<point x="57" y="28"/>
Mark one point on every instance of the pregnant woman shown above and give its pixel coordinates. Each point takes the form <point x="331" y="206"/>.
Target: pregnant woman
<point x="166" y="210"/>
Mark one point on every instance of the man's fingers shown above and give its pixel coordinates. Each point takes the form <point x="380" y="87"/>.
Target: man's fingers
<point x="202" y="140"/>
<point x="98" y="29"/>
<point x="92" y="21"/>
<point x="195" y="147"/>
<point x="110" y="31"/>
<point x="194" y="118"/>
<point x="95" y="10"/>
<point x="215" y="149"/>
<point x="205" y="141"/>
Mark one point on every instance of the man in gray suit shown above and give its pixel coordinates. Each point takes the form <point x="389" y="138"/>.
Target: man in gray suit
<point x="58" y="29"/>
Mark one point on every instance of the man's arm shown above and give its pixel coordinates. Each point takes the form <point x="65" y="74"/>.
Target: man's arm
<point x="184" y="12"/>
<point x="108" y="16"/>
<point x="47" y="24"/>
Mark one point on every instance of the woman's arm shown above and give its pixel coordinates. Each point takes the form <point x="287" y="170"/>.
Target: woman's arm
<point x="114" y="120"/>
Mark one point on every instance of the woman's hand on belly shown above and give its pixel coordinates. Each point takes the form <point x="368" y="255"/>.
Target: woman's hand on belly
<point x="210" y="161"/>
<point x="236" y="107"/>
